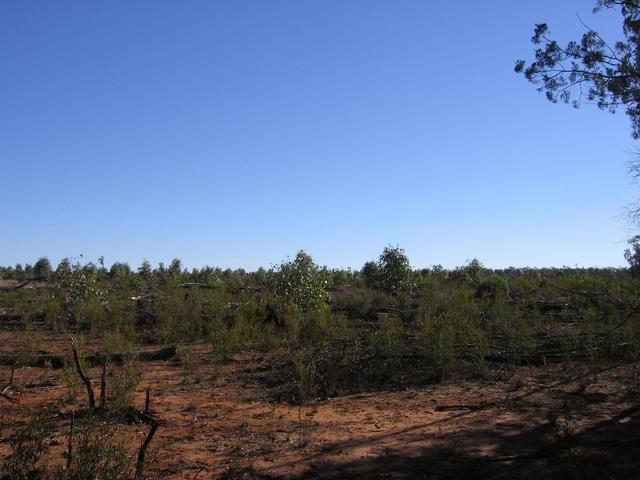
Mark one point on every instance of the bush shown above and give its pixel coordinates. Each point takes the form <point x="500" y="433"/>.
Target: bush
<point x="392" y="274"/>
<point x="73" y="286"/>
<point x="123" y="380"/>
<point x="383" y="346"/>
<point x="453" y="342"/>
<point x="96" y="454"/>
<point x="493" y="288"/>
<point x="28" y="445"/>
<point x="632" y="255"/>
<point x="302" y="283"/>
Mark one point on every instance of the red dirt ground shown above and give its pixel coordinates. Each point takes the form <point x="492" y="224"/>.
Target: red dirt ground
<point x="561" y="421"/>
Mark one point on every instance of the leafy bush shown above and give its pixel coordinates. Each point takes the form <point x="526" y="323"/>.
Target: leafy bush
<point x="42" y="268"/>
<point x="302" y="283"/>
<point x="97" y="454"/>
<point x="632" y="255"/>
<point x="383" y="347"/>
<point x="453" y="342"/>
<point x="72" y="287"/>
<point x="472" y="273"/>
<point x="392" y="273"/>
<point x="493" y="288"/>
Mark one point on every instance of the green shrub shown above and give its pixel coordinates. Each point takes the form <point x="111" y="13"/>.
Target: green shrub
<point x="123" y="379"/>
<point x="392" y="273"/>
<point x="493" y="288"/>
<point x="454" y="343"/>
<point x="96" y="454"/>
<point x="384" y="349"/>
<point x="28" y="445"/>
<point x="302" y="283"/>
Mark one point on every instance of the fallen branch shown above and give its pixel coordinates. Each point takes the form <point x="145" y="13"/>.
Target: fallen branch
<point x="96" y="360"/>
<point x="197" y="285"/>
<point x="22" y="284"/>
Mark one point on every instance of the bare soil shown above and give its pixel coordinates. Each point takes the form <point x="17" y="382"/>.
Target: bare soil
<point x="568" y="420"/>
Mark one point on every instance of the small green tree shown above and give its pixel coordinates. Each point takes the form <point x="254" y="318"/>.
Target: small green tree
<point x="73" y="286"/>
<point x="42" y="268"/>
<point x="473" y="272"/>
<point x="121" y="275"/>
<point x="175" y="271"/>
<point x="144" y="276"/>
<point x="632" y="255"/>
<point x="302" y="283"/>
<point x="494" y="288"/>
<point x="371" y="274"/>
<point x="395" y="275"/>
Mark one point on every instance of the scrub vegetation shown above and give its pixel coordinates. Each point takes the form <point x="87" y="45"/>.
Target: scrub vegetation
<point x="327" y="333"/>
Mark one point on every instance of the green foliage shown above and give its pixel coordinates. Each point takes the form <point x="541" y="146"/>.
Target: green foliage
<point x="179" y="315"/>
<point x="121" y="385"/>
<point x="453" y="341"/>
<point x="632" y="256"/>
<point x="494" y="288"/>
<point x="28" y="445"/>
<point x="72" y="287"/>
<point x="384" y="349"/>
<point x="42" y="268"/>
<point x="122" y="379"/>
<point x="592" y="69"/>
<point x="121" y="275"/>
<point x="439" y="344"/>
<point x="392" y="273"/>
<point x="190" y="359"/>
<point x="97" y="453"/>
<point x="302" y="283"/>
<point x="473" y="272"/>
<point x="224" y="342"/>
<point x="447" y="321"/>
<point x="371" y="274"/>
<point x="145" y="278"/>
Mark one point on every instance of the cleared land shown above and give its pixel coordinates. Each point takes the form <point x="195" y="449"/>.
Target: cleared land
<point x="566" y="420"/>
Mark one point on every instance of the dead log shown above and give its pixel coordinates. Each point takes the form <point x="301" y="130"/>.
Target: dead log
<point x="163" y="353"/>
<point x="22" y="284"/>
<point x="95" y="360"/>
<point x="197" y="285"/>
<point x="39" y="360"/>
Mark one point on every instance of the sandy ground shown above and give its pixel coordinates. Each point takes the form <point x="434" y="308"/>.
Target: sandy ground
<point x="560" y="421"/>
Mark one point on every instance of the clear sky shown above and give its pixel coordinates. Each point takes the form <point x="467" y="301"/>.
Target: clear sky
<point x="234" y="133"/>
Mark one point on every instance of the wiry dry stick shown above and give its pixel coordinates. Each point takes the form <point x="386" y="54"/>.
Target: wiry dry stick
<point x="85" y="379"/>
<point x="146" y="402"/>
<point x="7" y="387"/>
<point x="3" y="394"/>
<point x="70" y="445"/>
<point x="103" y="385"/>
<point x="143" y="451"/>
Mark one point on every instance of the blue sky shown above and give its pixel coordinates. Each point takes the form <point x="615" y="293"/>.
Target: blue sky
<point x="234" y="133"/>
